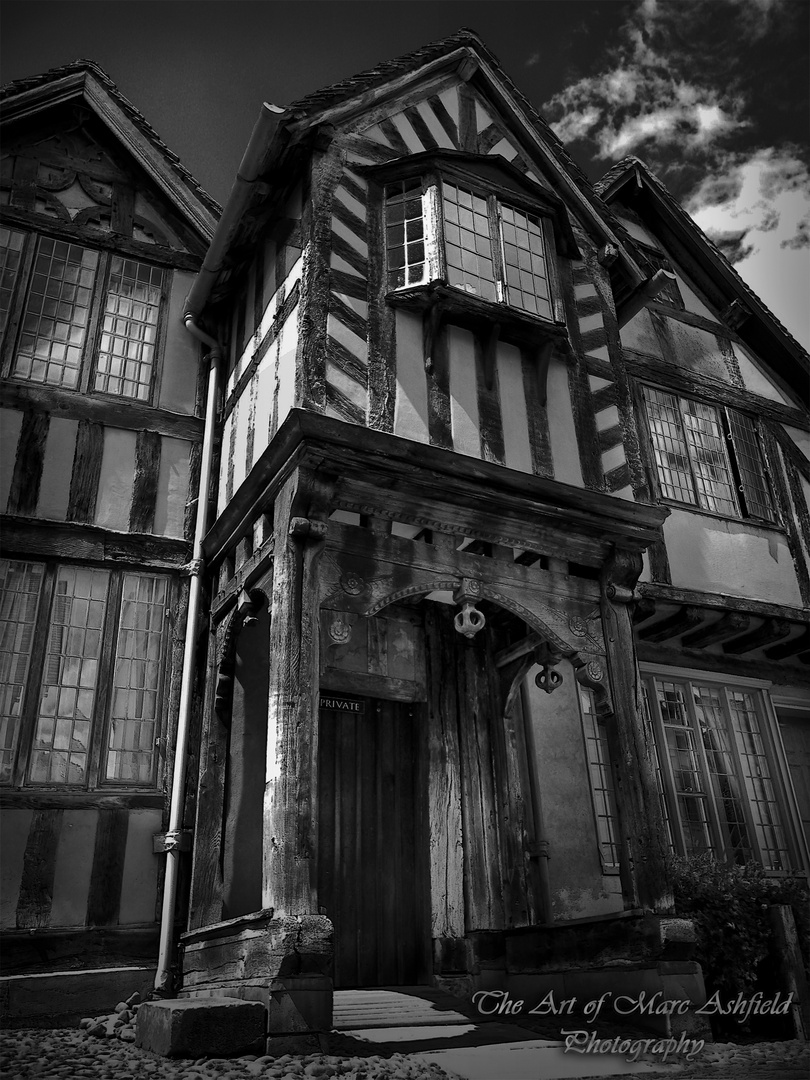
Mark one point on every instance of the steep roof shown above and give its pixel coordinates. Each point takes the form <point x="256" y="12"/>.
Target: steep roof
<point x="85" y="79"/>
<point x="755" y="323"/>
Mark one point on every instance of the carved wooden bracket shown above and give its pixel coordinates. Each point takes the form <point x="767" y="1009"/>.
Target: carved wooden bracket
<point x="302" y="528"/>
<point x="469" y="620"/>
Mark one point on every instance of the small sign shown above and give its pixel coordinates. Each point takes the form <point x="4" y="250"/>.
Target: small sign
<point x="339" y="703"/>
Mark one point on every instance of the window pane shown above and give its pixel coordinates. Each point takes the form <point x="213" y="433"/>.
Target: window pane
<point x="758" y="783"/>
<point x="601" y="780"/>
<point x="127" y="353"/>
<point x="689" y="787"/>
<point x="645" y="701"/>
<point x="525" y="262"/>
<point x="20" y="588"/>
<point x="726" y="786"/>
<point x="136" y="680"/>
<point x="11" y="248"/>
<point x="749" y="461"/>
<point x="405" y="234"/>
<point x="469" y="257"/>
<point x="62" y="734"/>
<point x="707" y="452"/>
<point x="57" y="313"/>
<point x="669" y="446"/>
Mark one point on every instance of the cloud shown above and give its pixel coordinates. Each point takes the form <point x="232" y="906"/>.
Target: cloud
<point x="757" y="211"/>
<point x="652" y="95"/>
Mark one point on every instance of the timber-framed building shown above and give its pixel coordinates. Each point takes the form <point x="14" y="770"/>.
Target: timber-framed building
<point x="507" y="570"/>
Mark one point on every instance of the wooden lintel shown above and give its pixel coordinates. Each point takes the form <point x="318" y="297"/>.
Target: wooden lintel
<point x="789" y="648"/>
<point x="730" y="625"/>
<point x="247" y="573"/>
<point x="673" y="626"/>
<point x="31" y="537"/>
<point x="516" y="651"/>
<point x="771" y="630"/>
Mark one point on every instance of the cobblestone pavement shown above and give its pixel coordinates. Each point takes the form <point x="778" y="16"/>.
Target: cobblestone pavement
<point x="71" y="1054"/>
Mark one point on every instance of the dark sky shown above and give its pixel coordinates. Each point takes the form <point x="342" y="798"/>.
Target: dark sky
<point x="712" y="93"/>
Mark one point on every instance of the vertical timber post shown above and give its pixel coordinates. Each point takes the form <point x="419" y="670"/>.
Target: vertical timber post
<point x="645" y="877"/>
<point x="289" y="881"/>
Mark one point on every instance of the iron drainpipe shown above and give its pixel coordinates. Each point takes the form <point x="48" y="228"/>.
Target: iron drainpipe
<point x="259" y="149"/>
<point x="163" y="978"/>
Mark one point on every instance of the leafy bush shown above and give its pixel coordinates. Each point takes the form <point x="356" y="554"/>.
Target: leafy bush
<point x="729" y="907"/>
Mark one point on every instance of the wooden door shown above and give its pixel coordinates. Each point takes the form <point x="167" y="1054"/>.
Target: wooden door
<point x="373" y="857"/>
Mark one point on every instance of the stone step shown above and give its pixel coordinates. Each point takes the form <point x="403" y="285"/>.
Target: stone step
<point x="399" y="1006"/>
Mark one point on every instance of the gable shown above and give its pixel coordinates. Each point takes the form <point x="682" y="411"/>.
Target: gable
<point x="689" y="332"/>
<point x="66" y="166"/>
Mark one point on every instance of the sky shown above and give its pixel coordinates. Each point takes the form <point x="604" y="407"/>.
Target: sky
<point x="712" y="94"/>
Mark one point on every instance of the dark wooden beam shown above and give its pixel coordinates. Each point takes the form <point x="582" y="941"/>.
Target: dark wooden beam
<point x="673" y="626"/>
<point x="718" y="601"/>
<point x="770" y="631"/>
<point x="735" y="622"/>
<point x="643" y="610"/>
<point x="789" y="648"/>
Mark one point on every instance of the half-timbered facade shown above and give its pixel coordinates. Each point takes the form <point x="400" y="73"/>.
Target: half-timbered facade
<point x="507" y="559"/>
<point x="102" y="234"/>
<point x="441" y="516"/>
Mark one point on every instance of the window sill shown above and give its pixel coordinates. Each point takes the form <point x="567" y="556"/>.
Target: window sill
<point x="481" y="316"/>
<point x="756" y="523"/>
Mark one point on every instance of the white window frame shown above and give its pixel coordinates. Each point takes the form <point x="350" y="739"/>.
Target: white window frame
<point x="773" y="753"/>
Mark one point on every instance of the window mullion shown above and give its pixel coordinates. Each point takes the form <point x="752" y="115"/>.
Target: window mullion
<point x="434" y="228"/>
<point x="720" y="838"/>
<point x="17" y="302"/>
<point x="34" y="689"/>
<point x="101" y="710"/>
<point x="666" y="769"/>
<point x="91" y="342"/>
<point x="496" y="239"/>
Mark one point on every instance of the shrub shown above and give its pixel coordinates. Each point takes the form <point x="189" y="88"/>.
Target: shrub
<point x="729" y="907"/>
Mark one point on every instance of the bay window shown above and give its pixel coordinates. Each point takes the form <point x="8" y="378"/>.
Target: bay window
<point x="82" y="651"/>
<point x="78" y="318"/>
<point x="476" y="227"/>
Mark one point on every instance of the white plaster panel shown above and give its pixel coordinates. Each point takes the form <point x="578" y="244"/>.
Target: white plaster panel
<point x="591" y="322"/>
<point x="517" y="449"/>
<point x="561" y="430"/>
<point x="139" y="888"/>
<point x="10" y="425"/>
<point x="433" y="125"/>
<point x="607" y="418"/>
<point x="14" y="827"/>
<point x="482" y="117"/>
<point x="117" y="479"/>
<point x="287" y="345"/>
<point x="356" y="346"/>
<point x="346" y="385"/>
<point x="640" y="334"/>
<point x="698" y="350"/>
<point x="755" y="378"/>
<point x="350" y="237"/>
<point x="715" y="555"/>
<point x="411" y="412"/>
<point x="464" y="416"/>
<point x="638" y="232"/>
<point x="349" y="201"/>
<point x="172" y="488"/>
<point x="266" y="377"/>
<point x="57" y="469"/>
<point x="613" y="458"/>
<point x="241" y="420"/>
<point x="800" y="438"/>
<point x="178" y="379"/>
<point x="74" y="866"/>
<point x="223" y="467"/>
<point x="449" y="98"/>
<point x="412" y="141"/>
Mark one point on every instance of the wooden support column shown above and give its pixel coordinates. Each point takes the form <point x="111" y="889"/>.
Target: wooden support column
<point x="643" y="845"/>
<point x="289" y="883"/>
